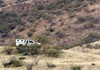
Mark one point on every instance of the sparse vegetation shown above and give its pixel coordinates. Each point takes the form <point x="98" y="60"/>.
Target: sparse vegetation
<point x="13" y="62"/>
<point x="58" y="15"/>
<point x="29" y="34"/>
<point x="43" y="39"/>
<point x="76" y="68"/>
<point x="37" y="50"/>
<point x="57" y="25"/>
<point x="11" y="22"/>
<point x="32" y="50"/>
<point x="47" y="17"/>
<point x="93" y="64"/>
<point x="81" y="19"/>
<point x="29" y="66"/>
<point x="19" y="1"/>
<point x="50" y="29"/>
<point x="8" y="50"/>
<point x="90" y="38"/>
<point x="50" y="65"/>
<point x="2" y="3"/>
<point x="50" y="51"/>
<point x="60" y="34"/>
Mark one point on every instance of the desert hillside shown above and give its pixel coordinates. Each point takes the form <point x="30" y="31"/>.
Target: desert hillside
<point x="66" y="34"/>
<point x="62" y="22"/>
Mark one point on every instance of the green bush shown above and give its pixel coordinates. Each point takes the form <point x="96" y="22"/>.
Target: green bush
<point x="8" y="50"/>
<point x="60" y="34"/>
<point x="19" y="1"/>
<point x="81" y="19"/>
<point x="4" y="29"/>
<point x="43" y="39"/>
<point x="50" y="51"/>
<point x="50" y="29"/>
<point x="11" y="22"/>
<point x="90" y="38"/>
<point x="76" y="68"/>
<point x="29" y="34"/>
<point x="47" y="17"/>
<point x="26" y="50"/>
<point x="13" y="62"/>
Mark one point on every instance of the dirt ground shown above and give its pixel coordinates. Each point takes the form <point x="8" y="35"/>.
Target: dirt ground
<point x="88" y="59"/>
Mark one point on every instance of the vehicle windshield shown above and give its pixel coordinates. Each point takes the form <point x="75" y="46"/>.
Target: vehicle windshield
<point x="30" y="41"/>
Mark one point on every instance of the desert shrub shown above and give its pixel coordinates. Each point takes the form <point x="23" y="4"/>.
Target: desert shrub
<point x="4" y="29"/>
<point x="22" y="58"/>
<point x="32" y="50"/>
<point x="64" y="45"/>
<point x="29" y="34"/>
<point x="60" y="34"/>
<point x="12" y="26"/>
<point x="32" y="29"/>
<point x="43" y="39"/>
<point x="58" y="5"/>
<point x="8" y="50"/>
<point x="75" y="5"/>
<point x="47" y="17"/>
<point x="50" y="29"/>
<point x="81" y="19"/>
<point x="51" y="6"/>
<point x="20" y="28"/>
<point x="31" y="19"/>
<point x="90" y="38"/>
<point x="11" y="22"/>
<point x="88" y="25"/>
<point x="29" y="66"/>
<point x="35" y="49"/>
<point x="93" y="64"/>
<point x="50" y="65"/>
<point x="50" y="51"/>
<point x="76" y="68"/>
<point x="92" y="20"/>
<point x="56" y="12"/>
<point x="2" y="3"/>
<point x="13" y="62"/>
<point x="88" y="19"/>
<point x="87" y="10"/>
<point x="47" y="33"/>
<point x="19" y="1"/>
<point x="36" y="13"/>
<point x="88" y="45"/>
<point x="40" y="7"/>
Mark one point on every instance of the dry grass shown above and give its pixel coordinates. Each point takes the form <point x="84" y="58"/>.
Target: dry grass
<point x="87" y="58"/>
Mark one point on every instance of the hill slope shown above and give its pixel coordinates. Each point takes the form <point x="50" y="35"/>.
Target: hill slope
<point x="63" y="22"/>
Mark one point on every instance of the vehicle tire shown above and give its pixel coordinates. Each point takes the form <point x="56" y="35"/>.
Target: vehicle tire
<point x="20" y="45"/>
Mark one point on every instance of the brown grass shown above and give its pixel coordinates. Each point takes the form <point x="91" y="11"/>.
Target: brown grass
<point x="78" y="56"/>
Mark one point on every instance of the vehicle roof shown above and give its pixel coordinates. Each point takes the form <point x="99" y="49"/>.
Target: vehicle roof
<point x="20" y="39"/>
